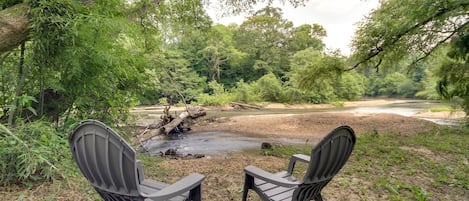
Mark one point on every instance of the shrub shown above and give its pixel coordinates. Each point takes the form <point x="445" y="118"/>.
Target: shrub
<point x="220" y="99"/>
<point x="269" y="88"/>
<point x="244" y="93"/>
<point x="29" y="153"/>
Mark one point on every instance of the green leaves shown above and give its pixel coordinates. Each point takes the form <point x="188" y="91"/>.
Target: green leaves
<point x="401" y="27"/>
<point x="29" y="153"/>
<point x="412" y="30"/>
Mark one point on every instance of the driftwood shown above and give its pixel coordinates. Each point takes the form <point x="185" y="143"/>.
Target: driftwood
<point x="168" y="125"/>
<point x="243" y="105"/>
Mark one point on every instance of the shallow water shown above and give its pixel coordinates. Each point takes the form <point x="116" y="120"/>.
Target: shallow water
<point x="212" y="143"/>
<point x="407" y="109"/>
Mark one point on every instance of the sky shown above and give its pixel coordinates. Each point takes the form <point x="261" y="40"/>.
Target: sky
<point x="338" y="17"/>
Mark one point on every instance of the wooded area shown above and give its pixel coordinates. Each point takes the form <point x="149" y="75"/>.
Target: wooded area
<point x="62" y="61"/>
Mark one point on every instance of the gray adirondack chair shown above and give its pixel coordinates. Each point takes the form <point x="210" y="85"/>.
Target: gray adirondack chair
<point x="108" y="162"/>
<point x="326" y="159"/>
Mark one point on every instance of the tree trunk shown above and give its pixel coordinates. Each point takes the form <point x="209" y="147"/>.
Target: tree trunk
<point x="14" y="23"/>
<point x="19" y="88"/>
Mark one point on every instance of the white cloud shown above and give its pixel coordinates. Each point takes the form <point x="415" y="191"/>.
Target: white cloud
<point x="338" y="17"/>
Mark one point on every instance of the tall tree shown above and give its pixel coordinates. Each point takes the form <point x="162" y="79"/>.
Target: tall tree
<point x="400" y="28"/>
<point x="76" y="60"/>
<point x="264" y="37"/>
<point x="307" y="36"/>
<point x="220" y="56"/>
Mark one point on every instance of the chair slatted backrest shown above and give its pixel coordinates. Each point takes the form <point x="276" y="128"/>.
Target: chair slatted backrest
<point x="327" y="158"/>
<point x="106" y="160"/>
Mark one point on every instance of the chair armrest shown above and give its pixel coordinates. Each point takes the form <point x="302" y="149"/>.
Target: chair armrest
<point x="297" y="157"/>
<point x="269" y="177"/>
<point x="140" y="175"/>
<point x="184" y="185"/>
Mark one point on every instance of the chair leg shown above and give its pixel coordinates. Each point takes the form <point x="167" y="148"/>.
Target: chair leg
<point x="248" y="182"/>
<point x="195" y="194"/>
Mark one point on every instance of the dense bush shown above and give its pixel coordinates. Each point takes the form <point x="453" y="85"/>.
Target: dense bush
<point x="350" y="86"/>
<point x="30" y="152"/>
<point x="244" y="93"/>
<point x="221" y="99"/>
<point x="269" y="88"/>
<point x="394" y="84"/>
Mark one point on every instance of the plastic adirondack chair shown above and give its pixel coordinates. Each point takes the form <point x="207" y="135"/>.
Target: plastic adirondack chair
<point x="108" y="162"/>
<point x="326" y="159"/>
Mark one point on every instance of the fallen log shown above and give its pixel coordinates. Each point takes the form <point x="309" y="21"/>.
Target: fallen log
<point x="167" y="125"/>
<point x="243" y="105"/>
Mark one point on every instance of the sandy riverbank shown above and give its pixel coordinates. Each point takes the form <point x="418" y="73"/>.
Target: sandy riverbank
<point x="315" y="125"/>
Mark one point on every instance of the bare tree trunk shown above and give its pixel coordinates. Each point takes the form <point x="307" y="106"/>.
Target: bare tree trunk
<point x="19" y="87"/>
<point x="14" y="23"/>
<point x="2" y="70"/>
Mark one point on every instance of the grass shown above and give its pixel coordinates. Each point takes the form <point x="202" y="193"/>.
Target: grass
<point x="414" y="167"/>
<point x="445" y="109"/>
<point x="383" y="166"/>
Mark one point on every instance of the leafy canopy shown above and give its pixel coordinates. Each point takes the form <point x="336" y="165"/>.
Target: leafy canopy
<point x="399" y="28"/>
<point x="414" y="30"/>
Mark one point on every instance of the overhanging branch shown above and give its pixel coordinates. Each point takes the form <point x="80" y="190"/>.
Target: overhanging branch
<point x="398" y="37"/>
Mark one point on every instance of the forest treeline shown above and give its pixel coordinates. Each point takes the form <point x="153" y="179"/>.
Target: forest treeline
<point x="99" y="59"/>
<point x="79" y="59"/>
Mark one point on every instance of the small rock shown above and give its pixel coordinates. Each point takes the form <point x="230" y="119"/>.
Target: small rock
<point x="266" y="145"/>
<point x="170" y="152"/>
<point x="199" y="155"/>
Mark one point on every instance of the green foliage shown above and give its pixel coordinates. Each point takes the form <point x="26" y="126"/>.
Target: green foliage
<point x="429" y="89"/>
<point x="317" y="77"/>
<point x="390" y="37"/>
<point x="263" y="36"/>
<point x="397" y="84"/>
<point x="216" y="100"/>
<point x="216" y="88"/>
<point x="350" y="86"/>
<point x="394" y="84"/>
<point x="241" y="6"/>
<point x="418" y="32"/>
<point x="454" y="73"/>
<point x="218" y="96"/>
<point x="30" y="153"/>
<point x="244" y="93"/>
<point x="307" y="36"/>
<point x="7" y="3"/>
<point x="175" y="81"/>
<point x="76" y="52"/>
<point x="52" y="22"/>
<point x="269" y="88"/>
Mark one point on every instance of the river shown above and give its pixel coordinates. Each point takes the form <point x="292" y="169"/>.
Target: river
<point x="222" y="143"/>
